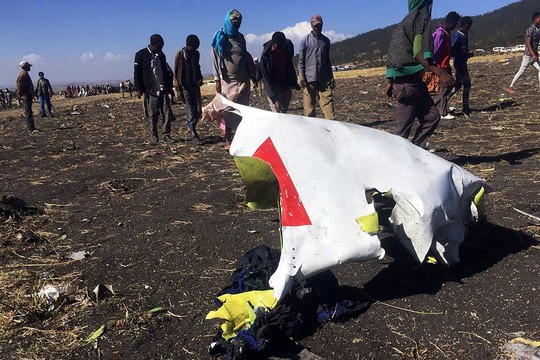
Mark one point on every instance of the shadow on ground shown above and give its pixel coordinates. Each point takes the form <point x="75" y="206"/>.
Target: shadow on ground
<point x="513" y="158"/>
<point x="485" y="246"/>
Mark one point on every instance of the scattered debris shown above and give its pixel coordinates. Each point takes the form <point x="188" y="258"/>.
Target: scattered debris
<point x="102" y="291"/>
<point x="79" y="255"/>
<point x="157" y="310"/>
<point x="522" y="349"/>
<point x="28" y="236"/>
<point x="252" y="319"/>
<point x="52" y="295"/>
<point x="529" y="215"/>
<point x="94" y="337"/>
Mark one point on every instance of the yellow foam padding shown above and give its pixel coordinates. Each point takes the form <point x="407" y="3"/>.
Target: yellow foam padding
<point x="237" y="310"/>
<point x="262" y="188"/>
<point x="369" y="223"/>
<point x="520" y="340"/>
<point x="480" y="201"/>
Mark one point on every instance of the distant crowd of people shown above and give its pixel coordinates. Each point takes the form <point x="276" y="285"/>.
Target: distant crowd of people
<point x="92" y="90"/>
<point x="414" y="53"/>
<point x="6" y="98"/>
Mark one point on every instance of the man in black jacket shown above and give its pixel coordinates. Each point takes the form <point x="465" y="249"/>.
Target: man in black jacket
<point x="278" y="73"/>
<point x="154" y="81"/>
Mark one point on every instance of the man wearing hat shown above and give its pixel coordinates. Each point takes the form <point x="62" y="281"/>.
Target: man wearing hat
<point x="315" y="71"/>
<point x="25" y="94"/>
<point x="277" y="72"/>
<point x="44" y="91"/>
<point x="187" y="82"/>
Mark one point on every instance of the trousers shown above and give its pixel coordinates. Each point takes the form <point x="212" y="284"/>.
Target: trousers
<point x="192" y="107"/>
<point x="156" y="106"/>
<point x="414" y="102"/>
<point x="44" y="100"/>
<point x="28" y="114"/>
<point x="525" y="63"/>
<point x="323" y="92"/>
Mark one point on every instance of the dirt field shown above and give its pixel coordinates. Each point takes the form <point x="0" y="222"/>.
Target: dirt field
<point x="165" y="224"/>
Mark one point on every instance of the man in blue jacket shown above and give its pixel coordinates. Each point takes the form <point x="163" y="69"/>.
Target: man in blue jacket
<point x="153" y="79"/>
<point x="461" y="55"/>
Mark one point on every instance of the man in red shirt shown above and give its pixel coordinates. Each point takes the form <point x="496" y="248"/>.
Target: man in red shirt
<point x="442" y="46"/>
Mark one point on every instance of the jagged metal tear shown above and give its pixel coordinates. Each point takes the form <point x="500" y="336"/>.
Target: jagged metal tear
<point x="331" y="164"/>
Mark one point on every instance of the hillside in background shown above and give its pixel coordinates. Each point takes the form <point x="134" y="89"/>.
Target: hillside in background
<point x="503" y="27"/>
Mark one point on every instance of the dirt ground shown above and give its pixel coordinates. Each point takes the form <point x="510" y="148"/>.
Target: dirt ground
<point x="165" y="224"/>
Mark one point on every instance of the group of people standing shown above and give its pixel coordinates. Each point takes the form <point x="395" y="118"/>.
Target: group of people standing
<point x="26" y="92"/>
<point x="5" y="98"/>
<point x="235" y="73"/>
<point x="158" y="83"/>
<point x="414" y="50"/>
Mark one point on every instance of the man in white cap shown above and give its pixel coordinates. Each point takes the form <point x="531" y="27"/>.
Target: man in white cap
<point x="315" y="71"/>
<point x="25" y="94"/>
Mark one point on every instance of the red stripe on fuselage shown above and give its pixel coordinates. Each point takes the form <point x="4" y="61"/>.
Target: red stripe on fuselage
<point x="293" y="212"/>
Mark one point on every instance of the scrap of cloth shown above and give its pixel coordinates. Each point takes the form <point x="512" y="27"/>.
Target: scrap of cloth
<point x="220" y="37"/>
<point x="253" y="322"/>
<point x="325" y="169"/>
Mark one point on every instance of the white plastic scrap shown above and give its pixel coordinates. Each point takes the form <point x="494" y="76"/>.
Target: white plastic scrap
<point x="51" y="294"/>
<point x="324" y="169"/>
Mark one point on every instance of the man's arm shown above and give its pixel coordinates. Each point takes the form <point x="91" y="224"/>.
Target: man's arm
<point x="177" y="78"/>
<point x="216" y="70"/>
<point x="528" y="42"/>
<point x="138" y="74"/>
<point x="438" y="40"/>
<point x="425" y="58"/>
<point x="301" y="62"/>
<point x="428" y="64"/>
<point x="329" y="69"/>
<point x="198" y="66"/>
<point x="18" y="87"/>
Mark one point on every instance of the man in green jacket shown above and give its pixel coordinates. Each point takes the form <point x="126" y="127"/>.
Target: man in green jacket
<point x="410" y="54"/>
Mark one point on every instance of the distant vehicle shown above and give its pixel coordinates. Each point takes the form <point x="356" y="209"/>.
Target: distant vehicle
<point x="211" y="82"/>
<point x="350" y="67"/>
<point x="519" y="48"/>
<point x="480" y="51"/>
<point x="509" y="49"/>
<point x="498" y="49"/>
